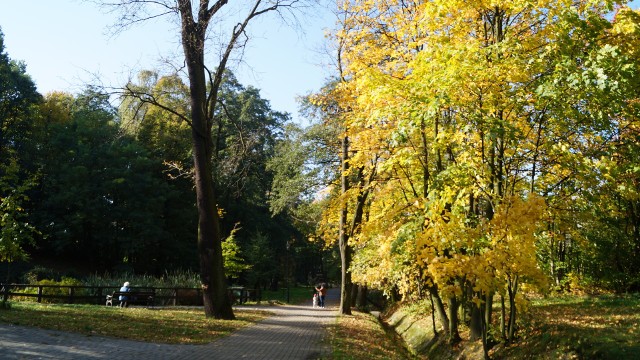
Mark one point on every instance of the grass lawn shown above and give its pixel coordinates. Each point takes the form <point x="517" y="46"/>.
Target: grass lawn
<point x="161" y="325"/>
<point x="603" y="327"/>
<point x="361" y="337"/>
<point x="297" y="295"/>
<point x="572" y="327"/>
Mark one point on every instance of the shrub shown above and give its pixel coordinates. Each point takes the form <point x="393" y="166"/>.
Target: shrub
<point x="38" y="273"/>
<point x="53" y="288"/>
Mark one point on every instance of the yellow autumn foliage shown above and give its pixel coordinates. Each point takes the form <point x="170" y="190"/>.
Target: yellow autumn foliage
<point x="473" y="156"/>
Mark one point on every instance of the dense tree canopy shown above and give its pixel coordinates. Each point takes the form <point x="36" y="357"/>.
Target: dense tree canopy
<point x="103" y="197"/>
<point x="18" y="102"/>
<point x="492" y="144"/>
<point x="111" y="189"/>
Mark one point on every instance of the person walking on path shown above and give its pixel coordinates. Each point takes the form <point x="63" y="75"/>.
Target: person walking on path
<point x="322" y="291"/>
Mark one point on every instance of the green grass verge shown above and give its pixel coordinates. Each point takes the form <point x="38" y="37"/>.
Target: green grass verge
<point x="572" y="327"/>
<point x="362" y="337"/>
<point x="603" y="327"/>
<point x="297" y="295"/>
<point x="161" y="325"/>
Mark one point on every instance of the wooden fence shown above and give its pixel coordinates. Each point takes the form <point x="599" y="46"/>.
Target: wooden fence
<point x="73" y="294"/>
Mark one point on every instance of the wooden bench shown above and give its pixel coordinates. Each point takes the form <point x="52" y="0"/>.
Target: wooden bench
<point x="145" y="297"/>
<point x="240" y="295"/>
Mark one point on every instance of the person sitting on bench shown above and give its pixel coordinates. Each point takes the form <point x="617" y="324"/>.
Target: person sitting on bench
<point x="124" y="300"/>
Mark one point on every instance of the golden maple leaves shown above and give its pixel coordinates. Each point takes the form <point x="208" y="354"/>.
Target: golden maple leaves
<point x="445" y="105"/>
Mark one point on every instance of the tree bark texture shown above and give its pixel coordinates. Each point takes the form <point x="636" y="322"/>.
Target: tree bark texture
<point x="475" y="324"/>
<point x="343" y="241"/>
<point x="362" y="297"/>
<point x="454" y="334"/>
<point x="437" y="303"/>
<point x="217" y="303"/>
<point x="354" y="294"/>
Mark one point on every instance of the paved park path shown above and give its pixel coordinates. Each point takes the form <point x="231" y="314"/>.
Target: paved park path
<point x="294" y="332"/>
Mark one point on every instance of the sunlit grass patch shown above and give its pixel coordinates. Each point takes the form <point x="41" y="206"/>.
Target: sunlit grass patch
<point x="295" y="295"/>
<point x="361" y="336"/>
<point x="175" y="325"/>
<point x="604" y="327"/>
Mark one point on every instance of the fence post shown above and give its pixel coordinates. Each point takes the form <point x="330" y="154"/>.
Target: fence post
<point x="70" y="294"/>
<point x="5" y="295"/>
<point x="39" y="293"/>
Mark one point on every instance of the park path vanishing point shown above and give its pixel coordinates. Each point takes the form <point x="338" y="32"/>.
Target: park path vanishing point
<point x="294" y="332"/>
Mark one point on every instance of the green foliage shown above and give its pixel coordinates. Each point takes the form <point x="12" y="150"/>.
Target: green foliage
<point x="263" y="259"/>
<point x="15" y="230"/>
<point x="234" y="264"/>
<point x="114" y="188"/>
<point x="18" y="96"/>
<point x="104" y="201"/>
<point x="18" y="99"/>
<point x="248" y="133"/>
<point x="598" y="66"/>
<point x="290" y="182"/>
<point x="170" y="279"/>
<point x="38" y="273"/>
<point x="302" y="175"/>
<point x="60" y="288"/>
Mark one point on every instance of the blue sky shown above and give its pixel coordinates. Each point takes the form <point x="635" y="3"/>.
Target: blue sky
<point x="66" y="44"/>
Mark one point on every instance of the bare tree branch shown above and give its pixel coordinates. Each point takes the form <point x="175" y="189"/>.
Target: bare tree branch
<point x="148" y="98"/>
<point x="133" y="12"/>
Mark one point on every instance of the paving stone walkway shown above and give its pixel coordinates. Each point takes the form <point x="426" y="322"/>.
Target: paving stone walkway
<point x="294" y="332"/>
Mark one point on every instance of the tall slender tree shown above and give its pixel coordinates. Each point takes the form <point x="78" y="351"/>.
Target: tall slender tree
<point x="195" y="18"/>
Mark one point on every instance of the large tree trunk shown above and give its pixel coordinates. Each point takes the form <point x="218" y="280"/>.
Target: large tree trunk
<point x="488" y="310"/>
<point x="475" y="323"/>
<point x="343" y="243"/>
<point x="354" y="294"/>
<point x="512" y="290"/>
<point x="345" y="289"/>
<point x="503" y="315"/>
<point x="454" y="334"/>
<point x="438" y="306"/>
<point x="362" y="297"/>
<point x="346" y="250"/>
<point x="216" y="301"/>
